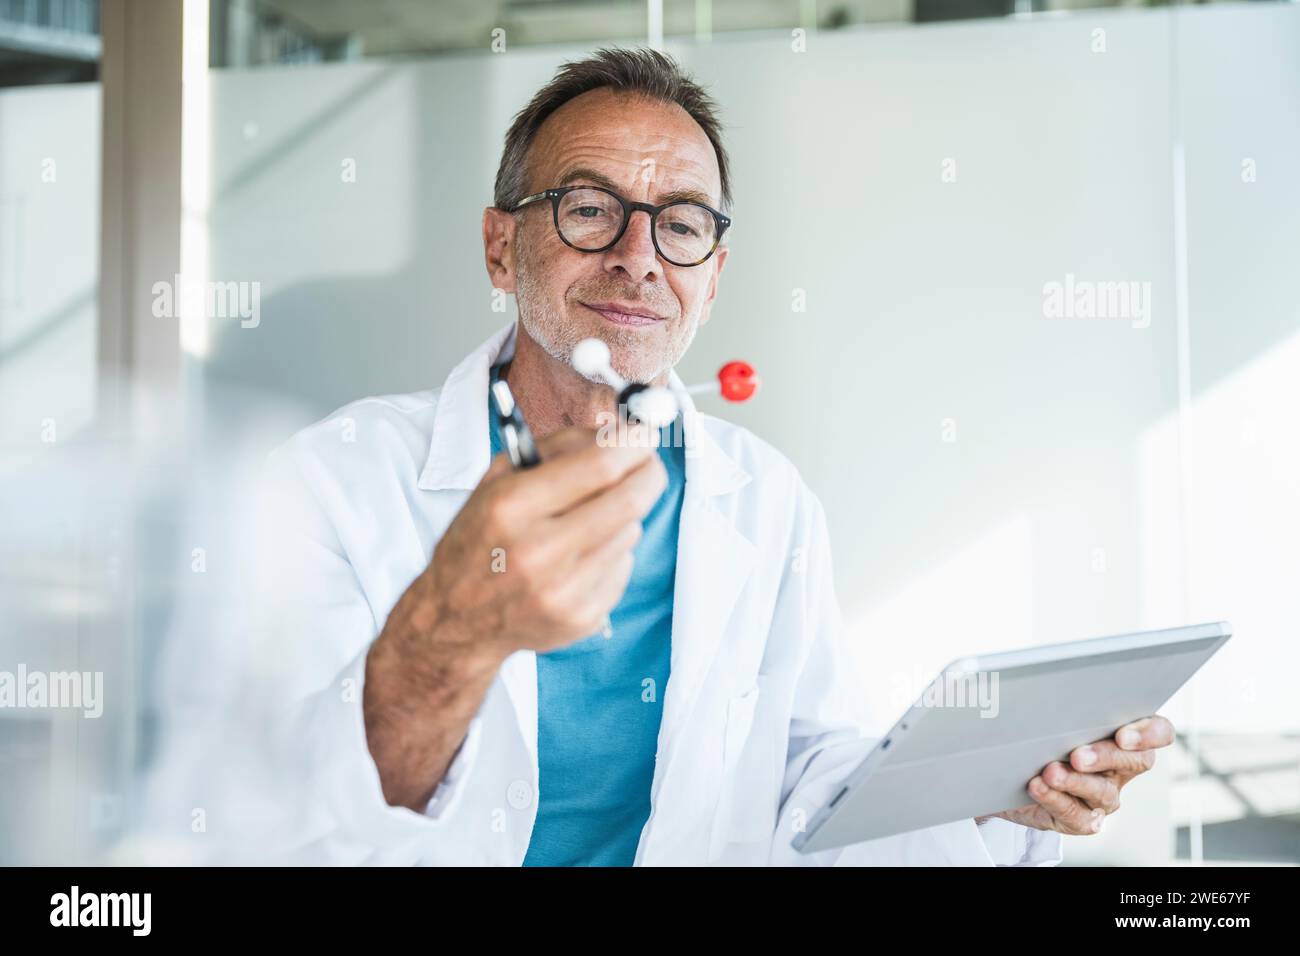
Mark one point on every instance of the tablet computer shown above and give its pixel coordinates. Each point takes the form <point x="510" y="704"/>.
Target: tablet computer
<point x="987" y="725"/>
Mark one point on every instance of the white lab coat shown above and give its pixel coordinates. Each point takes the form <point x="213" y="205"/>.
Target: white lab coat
<point x="761" y="718"/>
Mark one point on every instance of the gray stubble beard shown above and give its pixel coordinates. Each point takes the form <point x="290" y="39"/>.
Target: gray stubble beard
<point x="558" y="334"/>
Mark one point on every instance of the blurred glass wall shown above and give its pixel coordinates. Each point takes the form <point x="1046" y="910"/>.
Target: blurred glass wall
<point x="55" y="568"/>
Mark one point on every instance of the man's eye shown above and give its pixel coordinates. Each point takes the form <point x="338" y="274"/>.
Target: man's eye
<point x="681" y="229"/>
<point x="588" y="212"/>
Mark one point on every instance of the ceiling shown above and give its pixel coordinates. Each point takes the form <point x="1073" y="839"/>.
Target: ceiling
<point x="405" y="27"/>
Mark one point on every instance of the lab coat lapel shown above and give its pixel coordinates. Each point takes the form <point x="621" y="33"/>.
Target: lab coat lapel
<point x="518" y="674"/>
<point x="460" y="450"/>
<point x="714" y="561"/>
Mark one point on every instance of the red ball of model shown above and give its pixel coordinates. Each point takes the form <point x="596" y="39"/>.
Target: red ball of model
<point x="738" y="381"/>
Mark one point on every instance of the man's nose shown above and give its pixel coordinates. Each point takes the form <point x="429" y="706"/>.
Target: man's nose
<point x="635" y="253"/>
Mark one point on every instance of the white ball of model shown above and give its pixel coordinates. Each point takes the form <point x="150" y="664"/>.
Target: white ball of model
<point x="654" y="405"/>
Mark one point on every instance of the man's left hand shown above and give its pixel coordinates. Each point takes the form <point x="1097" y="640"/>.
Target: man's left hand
<point x="1077" y="797"/>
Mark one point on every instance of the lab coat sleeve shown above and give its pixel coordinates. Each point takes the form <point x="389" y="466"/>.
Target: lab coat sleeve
<point x="833" y="726"/>
<point x="1011" y="844"/>
<point x="320" y="614"/>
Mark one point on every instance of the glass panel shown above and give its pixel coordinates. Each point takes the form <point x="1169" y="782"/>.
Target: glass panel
<point x="51" y="569"/>
<point x="249" y="33"/>
<point x="1238" y="798"/>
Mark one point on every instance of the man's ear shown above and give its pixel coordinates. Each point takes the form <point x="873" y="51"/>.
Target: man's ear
<point x="499" y="248"/>
<point x="721" y="260"/>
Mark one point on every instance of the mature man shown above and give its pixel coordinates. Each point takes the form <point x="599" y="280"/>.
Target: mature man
<point x="461" y="602"/>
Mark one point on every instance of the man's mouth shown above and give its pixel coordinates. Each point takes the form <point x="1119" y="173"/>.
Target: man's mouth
<point x="621" y="314"/>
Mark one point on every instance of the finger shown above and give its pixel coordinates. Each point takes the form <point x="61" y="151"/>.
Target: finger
<point x="588" y="567"/>
<point x="1094" y="789"/>
<point x="1069" y="814"/>
<point x="565" y="442"/>
<point x="597" y="584"/>
<point x="556" y="545"/>
<point x="563" y="481"/>
<point x="586" y="525"/>
<point x="1145" y="734"/>
<point x="569" y="440"/>
<point x="497" y="468"/>
<point x="605" y="565"/>
<point x="1105" y="755"/>
<point x="1031" y="815"/>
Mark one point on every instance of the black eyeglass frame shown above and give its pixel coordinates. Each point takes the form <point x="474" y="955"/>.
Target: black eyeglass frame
<point x="720" y="222"/>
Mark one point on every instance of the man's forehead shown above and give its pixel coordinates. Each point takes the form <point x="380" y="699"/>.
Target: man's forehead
<point x="628" y="140"/>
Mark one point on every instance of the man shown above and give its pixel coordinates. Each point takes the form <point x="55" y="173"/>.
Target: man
<point x="466" y="708"/>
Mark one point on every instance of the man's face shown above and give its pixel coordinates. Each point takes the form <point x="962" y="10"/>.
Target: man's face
<point x="645" y="151"/>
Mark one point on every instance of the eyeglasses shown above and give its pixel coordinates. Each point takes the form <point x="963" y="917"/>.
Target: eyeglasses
<point x="593" y="219"/>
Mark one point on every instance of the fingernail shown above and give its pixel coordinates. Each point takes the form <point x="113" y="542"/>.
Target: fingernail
<point x="1129" y="738"/>
<point x="1096" y="820"/>
<point x="1087" y="757"/>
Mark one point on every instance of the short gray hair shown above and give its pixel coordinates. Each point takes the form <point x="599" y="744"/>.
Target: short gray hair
<point x="642" y="71"/>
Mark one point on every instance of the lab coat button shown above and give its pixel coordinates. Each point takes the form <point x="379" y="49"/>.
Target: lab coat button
<point x="520" y="795"/>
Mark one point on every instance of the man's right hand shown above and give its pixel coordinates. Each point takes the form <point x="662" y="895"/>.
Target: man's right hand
<point x="535" y="560"/>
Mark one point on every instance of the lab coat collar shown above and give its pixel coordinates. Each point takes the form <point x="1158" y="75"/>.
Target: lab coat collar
<point x="459" y="452"/>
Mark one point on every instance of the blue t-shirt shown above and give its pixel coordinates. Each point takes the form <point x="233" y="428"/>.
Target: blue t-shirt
<point x="600" y="702"/>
